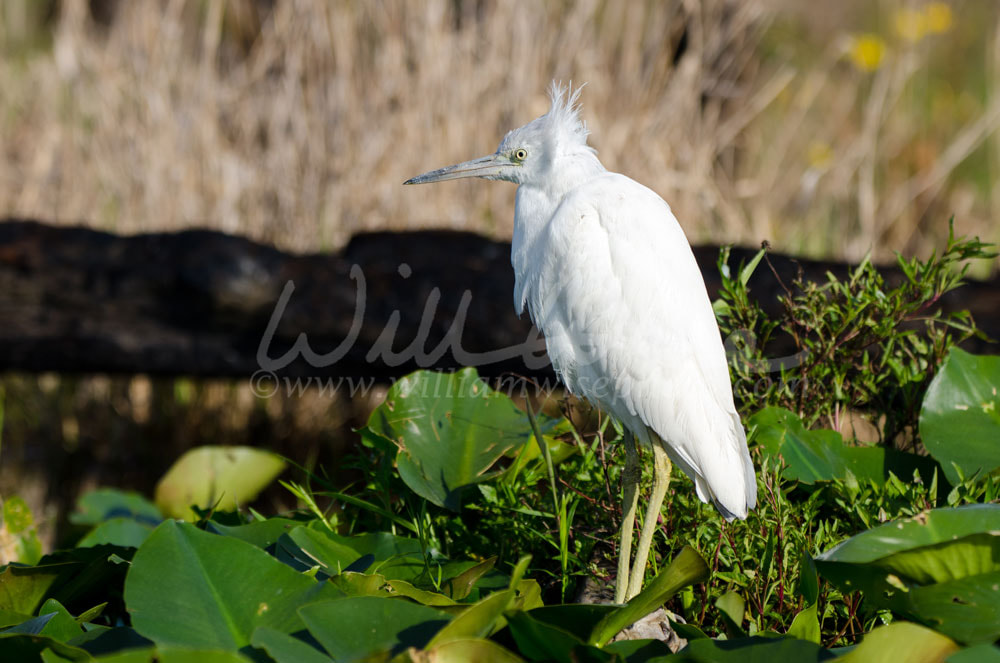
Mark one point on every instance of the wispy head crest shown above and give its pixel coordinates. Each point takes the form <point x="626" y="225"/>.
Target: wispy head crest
<point x="559" y="130"/>
<point x="564" y="114"/>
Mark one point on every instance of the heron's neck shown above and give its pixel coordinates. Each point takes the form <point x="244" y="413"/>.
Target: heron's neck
<point x="537" y="201"/>
<point x="569" y="171"/>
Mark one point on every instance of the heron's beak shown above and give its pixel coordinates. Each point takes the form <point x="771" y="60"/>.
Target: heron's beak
<point x="484" y="167"/>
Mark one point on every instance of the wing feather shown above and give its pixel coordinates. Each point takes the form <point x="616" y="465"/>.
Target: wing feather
<point x="629" y="325"/>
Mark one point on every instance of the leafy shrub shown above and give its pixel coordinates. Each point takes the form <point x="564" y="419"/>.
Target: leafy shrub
<point x="860" y="344"/>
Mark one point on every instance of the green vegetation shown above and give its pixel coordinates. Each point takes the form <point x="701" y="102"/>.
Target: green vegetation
<point x="474" y="524"/>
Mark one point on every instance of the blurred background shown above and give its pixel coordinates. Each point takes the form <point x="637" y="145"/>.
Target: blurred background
<point x="831" y="130"/>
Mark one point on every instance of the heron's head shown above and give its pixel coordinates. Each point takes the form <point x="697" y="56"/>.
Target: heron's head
<point x="529" y="153"/>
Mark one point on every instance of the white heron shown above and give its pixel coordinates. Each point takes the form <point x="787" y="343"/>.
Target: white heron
<point x="607" y="274"/>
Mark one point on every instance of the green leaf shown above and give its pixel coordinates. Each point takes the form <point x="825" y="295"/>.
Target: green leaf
<point x="369" y="506"/>
<point x="261" y="533"/>
<point x="220" y="589"/>
<point x="941" y="568"/>
<point x="173" y="655"/>
<point x="105" y="503"/>
<point x="688" y="631"/>
<point x="638" y="651"/>
<point x="687" y="568"/>
<point x="91" y="614"/>
<point x="977" y="654"/>
<point x="382" y="546"/>
<point x="577" y="618"/>
<point x="805" y="625"/>
<point x="410" y="568"/>
<point x="18" y="535"/>
<point x="539" y="641"/>
<point x="461" y="585"/>
<point x="362" y="626"/>
<point x="529" y="595"/>
<point x="768" y="558"/>
<point x="404" y="588"/>
<point x="929" y="528"/>
<point x="88" y="576"/>
<point x="757" y="649"/>
<point x="960" y="415"/>
<point x="11" y="618"/>
<point x="324" y="550"/>
<point x="286" y="648"/>
<point x="360" y="584"/>
<point x="209" y="476"/>
<point x="117" y="638"/>
<point x="450" y="428"/>
<point x="32" y="647"/>
<point x="901" y="641"/>
<point x="23" y="588"/>
<point x="821" y="455"/>
<point x="31" y="626"/>
<point x="732" y="606"/>
<point x="394" y="557"/>
<point x="530" y="455"/>
<point x="477" y="621"/>
<point x="119" y="531"/>
<point x="61" y="626"/>
<point x="750" y="267"/>
<point x="808" y="580"/>
<point x="462" y="651"/>
<point x="120" y="518"/>
<point x="519" y="570"/>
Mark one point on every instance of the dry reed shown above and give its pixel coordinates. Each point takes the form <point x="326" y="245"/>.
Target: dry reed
<point x="297" y="125"/>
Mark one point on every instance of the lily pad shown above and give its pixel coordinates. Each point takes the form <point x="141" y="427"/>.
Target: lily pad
<point x="756" y="649"/>
<point x="449" y="429"/>
<point x="190" y="588"/>
<point x="940" y="568"/>
<point x="461" y="651"/>
<point x="286" y="648"/>
<point x="120" y="531"/>
<point x="960" y="415"/>
<point x="357" y="627"/>
<point x="822" y="455"/>
<point x="901" y="641"/>
<point x="105" y="503"/>
<point x="224" y="477"/>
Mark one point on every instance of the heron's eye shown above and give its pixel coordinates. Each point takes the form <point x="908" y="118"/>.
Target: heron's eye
<point x="520" y="154"/>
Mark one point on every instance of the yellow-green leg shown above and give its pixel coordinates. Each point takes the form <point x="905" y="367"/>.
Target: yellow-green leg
<point x="661" y="479"/>
<point x="630" y="491"/>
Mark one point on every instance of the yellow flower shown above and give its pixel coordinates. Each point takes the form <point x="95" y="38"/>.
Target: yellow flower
<point x="911" y="24"/>
<point x="867" y="52"/>
<point x="819" y="154"/>
<point x="937" y="17"/>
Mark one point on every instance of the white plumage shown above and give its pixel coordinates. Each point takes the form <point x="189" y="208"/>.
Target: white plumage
<point x="611" y="281"/>
<point x="607" y="274"/>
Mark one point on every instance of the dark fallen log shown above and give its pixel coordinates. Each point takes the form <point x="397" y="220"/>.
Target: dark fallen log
<point x="203" y="303"/>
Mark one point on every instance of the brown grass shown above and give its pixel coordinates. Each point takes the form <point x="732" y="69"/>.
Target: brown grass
<point x="296" y="126"/>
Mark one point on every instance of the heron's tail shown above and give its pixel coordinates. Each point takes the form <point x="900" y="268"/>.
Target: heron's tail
<point x="727" y="478"/>
<point x="734" y="498"/>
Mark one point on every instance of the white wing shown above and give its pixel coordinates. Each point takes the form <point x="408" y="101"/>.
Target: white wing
<point x="628" y="324"/>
